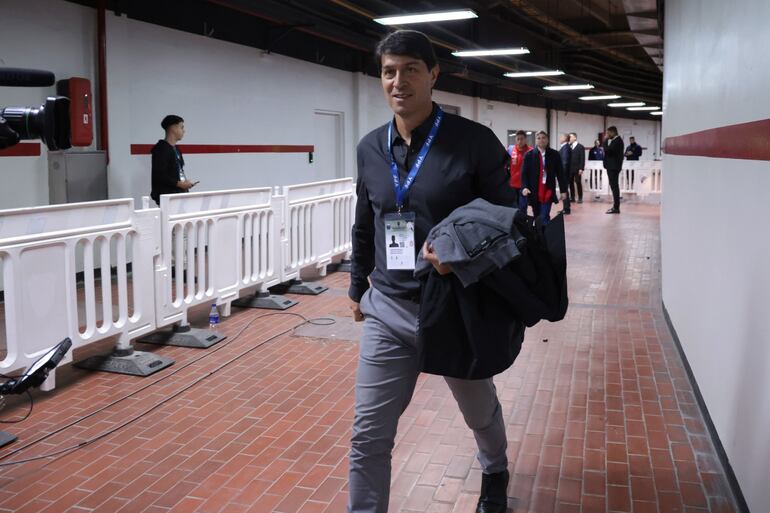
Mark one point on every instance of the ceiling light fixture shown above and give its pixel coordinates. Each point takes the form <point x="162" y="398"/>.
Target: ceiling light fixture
<point x="490" y="53"/>
<point x="657" y="113"/>
<point x="568" y="87"/>
<point x="601" y="97"/>
<point x="643" y="108"/>
<point x="627" y="104"/>
<point x="427" y="17"/>
<point x="525" y="74"/>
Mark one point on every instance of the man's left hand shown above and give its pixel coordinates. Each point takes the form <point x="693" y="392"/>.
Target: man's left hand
<point x="430" y="256"/>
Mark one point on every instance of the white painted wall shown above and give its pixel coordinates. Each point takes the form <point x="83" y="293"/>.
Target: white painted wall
<point x="715" y="242"/>
<point x="41" y="34"/>
<point x="227" y="94"/>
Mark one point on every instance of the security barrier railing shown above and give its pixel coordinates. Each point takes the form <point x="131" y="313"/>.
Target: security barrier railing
<point x="640" y="178"/>
<point x="43" y="248"/>
<point x="90" y="271"/>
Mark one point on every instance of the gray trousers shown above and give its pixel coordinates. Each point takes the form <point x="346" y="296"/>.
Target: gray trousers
<point x="388" y="366"/>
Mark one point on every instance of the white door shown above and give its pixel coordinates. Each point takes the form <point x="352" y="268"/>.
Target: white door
<point x="327" y="139"/>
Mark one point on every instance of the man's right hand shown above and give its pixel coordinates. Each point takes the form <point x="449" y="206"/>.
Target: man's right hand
<point x="185" y="184"/>
<point x="525" y="192"/>
<point x="356" y="308"/>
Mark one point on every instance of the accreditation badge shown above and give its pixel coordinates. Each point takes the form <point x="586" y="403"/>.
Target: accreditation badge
<point x="399" y="241"/>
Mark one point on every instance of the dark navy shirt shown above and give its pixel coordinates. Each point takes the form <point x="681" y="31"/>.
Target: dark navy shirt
<point x="465" y="162"/>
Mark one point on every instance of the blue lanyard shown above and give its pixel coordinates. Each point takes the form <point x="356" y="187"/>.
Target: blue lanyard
<point x="403" y="190"/>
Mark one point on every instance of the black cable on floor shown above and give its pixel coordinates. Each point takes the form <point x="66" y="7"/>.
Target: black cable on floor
<point x="321" y="321"/>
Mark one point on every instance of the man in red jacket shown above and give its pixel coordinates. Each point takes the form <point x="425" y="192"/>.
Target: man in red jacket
<point x="517" y="159"/>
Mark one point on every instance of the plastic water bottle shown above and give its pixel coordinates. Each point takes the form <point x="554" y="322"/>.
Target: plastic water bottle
<point x="213" y="317"/>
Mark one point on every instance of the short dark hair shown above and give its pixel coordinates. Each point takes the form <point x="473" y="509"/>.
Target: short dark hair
<point x="171" y="120"/>
<point x="573" y="133"/>
<point x="407" y="42"/>
<point x="632" y="137"/>
<point x="542" y="132"/>
<point x="521" y="132"/>
<point x="612" y="128"/>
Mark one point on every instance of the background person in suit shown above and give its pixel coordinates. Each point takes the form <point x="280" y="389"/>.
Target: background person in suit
<point x="576" y="165"/>
<point x="613" y="162"/>
<point x="541" y="169"/>
<point x="565" y="152"/>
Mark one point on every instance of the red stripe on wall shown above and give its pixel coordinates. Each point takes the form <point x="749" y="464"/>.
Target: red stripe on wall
<point x="22" y="150"/>
<point x="749" y="141"/>
<point x="145" y="149"/>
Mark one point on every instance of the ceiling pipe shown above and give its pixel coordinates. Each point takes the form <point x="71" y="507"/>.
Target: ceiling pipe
<point x="533" y="12"/>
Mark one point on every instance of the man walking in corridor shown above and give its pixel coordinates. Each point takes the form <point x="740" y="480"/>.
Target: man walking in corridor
<point x="417" y="168"/>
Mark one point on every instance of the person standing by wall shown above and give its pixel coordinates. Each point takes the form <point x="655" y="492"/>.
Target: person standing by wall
<point x="633" y="151"/>
<point x="517" y="152"/>
<point x="541" y="170"/>
<point x="565" y="152"/>
<point x="613" y="162"/>
<point x="419" y="167"/>
<point x="576" y="165"/>
<point x="168" y="176"/>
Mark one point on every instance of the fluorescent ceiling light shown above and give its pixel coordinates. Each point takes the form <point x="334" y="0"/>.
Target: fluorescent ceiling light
<point x="601" y="97"/>
<point x="643" y="108"/>
<point x="427" y="17"/>
<point x="627" y="104"/>
<point x="489" y="53"/>
<point x="524" y="74"/>
<point x="568" y="87"/>
<point x="657" y="113"/>
<point x="529" y="132"/>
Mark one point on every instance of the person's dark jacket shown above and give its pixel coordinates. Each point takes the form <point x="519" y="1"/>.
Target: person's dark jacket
<point x="165" y="170"/>
<point x="633" y="152"/>
<point x="577" y="159"/>
<point x="476" y="331"/>
<point x="596" y="153"/>
<point x="530" y="172"/>
<point x="565" y="152"/>
<point x="613" y="153"/>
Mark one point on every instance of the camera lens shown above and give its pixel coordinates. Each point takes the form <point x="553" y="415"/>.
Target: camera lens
<point x="49" y="122"/>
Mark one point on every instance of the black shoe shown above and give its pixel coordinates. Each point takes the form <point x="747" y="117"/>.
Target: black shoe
<point x="494" y="493"/>
<point x="613" y="211"/>
<point x="580" y="200"/>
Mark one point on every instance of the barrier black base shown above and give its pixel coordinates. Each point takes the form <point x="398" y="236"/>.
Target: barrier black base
<point x="6" y="438"/>
<point x="184" y="336"/>
<point x="299" y="287"/>
<point x="342" y="267"/>
<point x="134" y="363"/>
<point x="266" y="301"/>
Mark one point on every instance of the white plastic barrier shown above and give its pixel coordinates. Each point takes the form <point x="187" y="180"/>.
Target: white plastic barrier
<point x="318" y="219"/>
<point x="217" y="243"/>
<point x="41" y="251"/>
<point x="196" y="248"/>
<point x="595" y="181"/>
<point x="643" y="178"/>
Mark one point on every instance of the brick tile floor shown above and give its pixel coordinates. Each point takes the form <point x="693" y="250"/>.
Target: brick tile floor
<point x="600" y="415"/>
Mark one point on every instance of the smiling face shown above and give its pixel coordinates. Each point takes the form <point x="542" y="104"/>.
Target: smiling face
<point x="407" y="83"/>
<point x="541" y="141"/>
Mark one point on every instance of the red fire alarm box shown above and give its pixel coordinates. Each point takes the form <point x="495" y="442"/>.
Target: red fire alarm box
<point x="78" y="90"/>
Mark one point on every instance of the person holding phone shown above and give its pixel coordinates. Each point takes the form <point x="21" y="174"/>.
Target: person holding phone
<point x="168" y="176"/>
